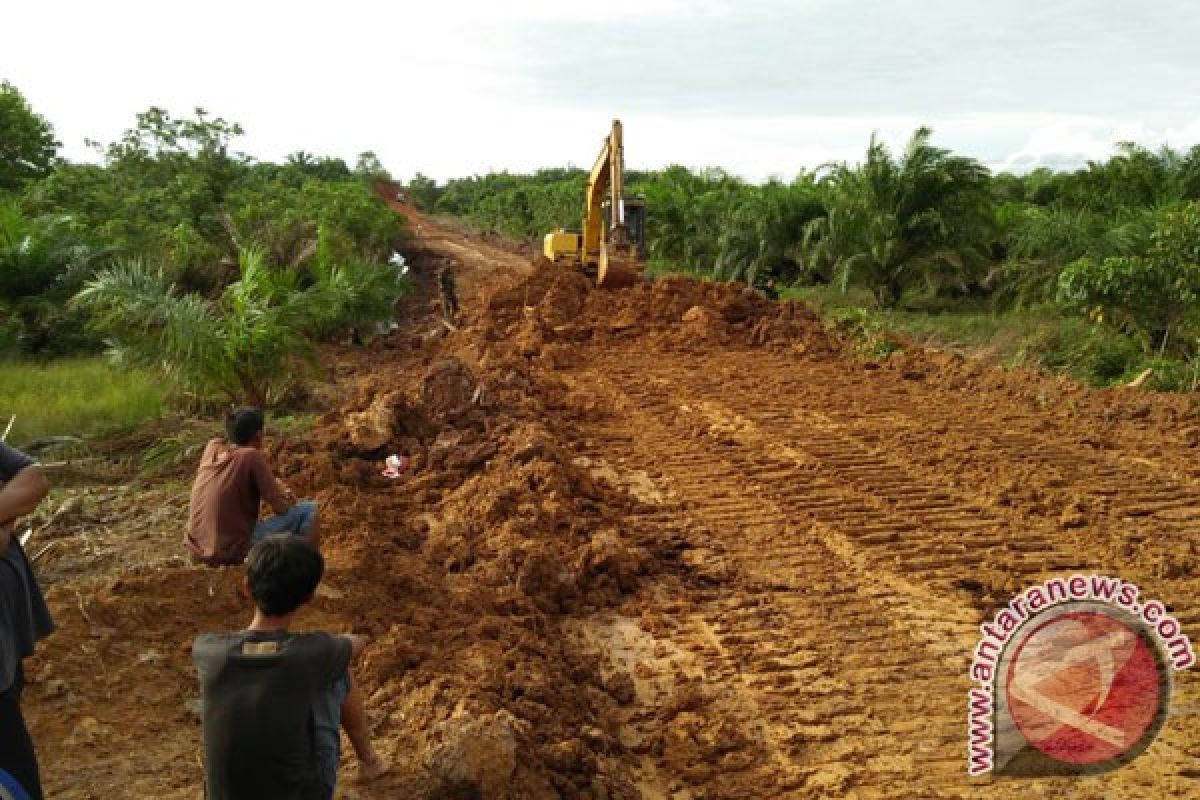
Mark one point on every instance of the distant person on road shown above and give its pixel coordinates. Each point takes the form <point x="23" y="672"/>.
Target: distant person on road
<point x="449" y="294"/>
<point x="273" y="700"/>
<point x="24" y="619"/>
<point x="231" y="483"/>
<point x="770" y="290"/>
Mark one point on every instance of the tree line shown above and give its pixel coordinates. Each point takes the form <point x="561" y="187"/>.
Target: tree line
<point x="1117" y="241"/>
<point x="175" y="251"/>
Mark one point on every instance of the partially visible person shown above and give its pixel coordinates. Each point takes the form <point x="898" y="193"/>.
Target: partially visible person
<point x="273" y="699"/>
<point x="770" y="289"/>
<point x="231" y="483"/>
<point x="24" y="619"/>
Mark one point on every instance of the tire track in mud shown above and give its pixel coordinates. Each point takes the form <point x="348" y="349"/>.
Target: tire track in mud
<point x="1143" y="502"/>
<point x="1125" y="488"/>
<point x="1135" y="504"/>
<point x="849" y="634"/>
<point x="798" y="637"/>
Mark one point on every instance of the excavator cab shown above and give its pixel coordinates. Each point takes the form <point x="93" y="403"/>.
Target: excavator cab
<point x="635" y="224"/>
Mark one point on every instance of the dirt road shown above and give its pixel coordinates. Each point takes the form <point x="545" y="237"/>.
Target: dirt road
<point x="669" y="542"/>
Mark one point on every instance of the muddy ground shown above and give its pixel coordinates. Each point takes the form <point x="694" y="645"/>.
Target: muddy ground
<point x="668" y="542"/>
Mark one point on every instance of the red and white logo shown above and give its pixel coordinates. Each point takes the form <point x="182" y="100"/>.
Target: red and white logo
<point x="1084" y="688"/>
<point x="1071" y="677"/>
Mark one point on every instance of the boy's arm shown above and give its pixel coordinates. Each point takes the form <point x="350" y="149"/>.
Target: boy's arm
<point x="268" y="487"/>
<point x="18" y="497"/>
<point x="358" y="643"/>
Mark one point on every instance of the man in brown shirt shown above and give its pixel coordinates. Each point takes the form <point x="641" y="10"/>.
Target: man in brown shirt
<point x="232" y="481"/>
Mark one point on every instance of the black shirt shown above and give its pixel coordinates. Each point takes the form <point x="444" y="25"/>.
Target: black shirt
<point x="24" y="618"/>
<point x="258" y="690"/>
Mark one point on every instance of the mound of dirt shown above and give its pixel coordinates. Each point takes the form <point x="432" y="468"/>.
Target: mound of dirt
<point x="492" y="534"/>
<point x="705" y="325"/>
<point x="557" y="304"/>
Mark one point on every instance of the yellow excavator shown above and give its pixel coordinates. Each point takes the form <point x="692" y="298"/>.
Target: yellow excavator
<point x="612" y="244"/>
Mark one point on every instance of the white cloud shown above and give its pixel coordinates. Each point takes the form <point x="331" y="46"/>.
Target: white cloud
<point x="1071" y="142"/>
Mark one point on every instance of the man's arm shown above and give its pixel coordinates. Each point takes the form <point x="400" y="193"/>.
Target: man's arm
<point x="268" y="487"/>
<point x="18" y="497"/>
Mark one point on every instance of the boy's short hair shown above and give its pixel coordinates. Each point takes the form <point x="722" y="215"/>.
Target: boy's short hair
<point x="243" y="424"/>
<point x="283" y="571"/>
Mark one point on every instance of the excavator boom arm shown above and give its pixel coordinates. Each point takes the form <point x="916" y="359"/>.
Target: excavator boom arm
<point x="606" y="181"/>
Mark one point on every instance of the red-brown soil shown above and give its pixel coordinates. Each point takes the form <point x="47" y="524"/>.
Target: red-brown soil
<point x="667" y="542"/>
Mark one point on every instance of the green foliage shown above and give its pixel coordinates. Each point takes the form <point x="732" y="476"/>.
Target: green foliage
<point x="686" y="212"/>
<point x="281" y="211"/>
<point x="1041" y="239"/>
<point x="75" y="397"/>
<point x="711" y="222"/>
<point x="1171" y="375"/>
<point x="172" y="193"/>
<point x="424" y="191"/>
<point x="924" y="218"/>
<point x="872" y="337"/>
<point x="321" y="168"/>
<point x="521" y="206"/>
<point x="1090" y="352"/>
<point x="1153" y="296"/>
<point x="706" y="222"/>
<point x="253" y="343"/>
<point x="253" y="262"/>
<point x="370" y="168"/>
<point x="42" y="262"/>
<point x="764" y="229"/>
<point x="27" y="143"/>
<point x="159" y="195"/>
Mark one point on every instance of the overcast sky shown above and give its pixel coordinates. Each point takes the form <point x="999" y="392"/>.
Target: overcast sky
<point x="761" y="87"/>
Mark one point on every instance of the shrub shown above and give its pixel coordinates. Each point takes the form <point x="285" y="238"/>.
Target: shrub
<point x="252" y="344"/>
<point x="1153" y="296"/>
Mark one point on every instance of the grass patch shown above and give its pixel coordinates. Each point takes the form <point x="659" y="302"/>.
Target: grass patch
<point x="658" y="268"/>
<point x="75" y="397"/>
<point x="1089" y="352"/>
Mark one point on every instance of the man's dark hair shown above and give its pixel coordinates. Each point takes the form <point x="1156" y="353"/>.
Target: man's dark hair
<point x="283" y="571"/>
<point x="243" y="424"/>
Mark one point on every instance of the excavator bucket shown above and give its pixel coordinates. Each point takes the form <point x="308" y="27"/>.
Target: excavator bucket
<point x="616" y="273"/>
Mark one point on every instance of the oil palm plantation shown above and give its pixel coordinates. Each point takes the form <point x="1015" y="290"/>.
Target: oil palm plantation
<point x="925" y="218"/>
<point x="765" y="229"/>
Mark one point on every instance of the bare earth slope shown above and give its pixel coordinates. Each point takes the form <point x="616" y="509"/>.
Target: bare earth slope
<point x="663" y="542"/>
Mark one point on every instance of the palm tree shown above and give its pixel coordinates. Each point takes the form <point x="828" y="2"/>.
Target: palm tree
<point x="251" y="344"/>
<point x="891" y="224"/>
<point x="42" y="261"/>
<point x="765" y="228"/>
